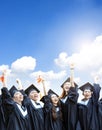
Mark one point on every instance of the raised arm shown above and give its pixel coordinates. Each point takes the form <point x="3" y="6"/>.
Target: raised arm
<point x="97" y="88"/>
<point x="72" y="74"/>
<point x="6" y="97"/>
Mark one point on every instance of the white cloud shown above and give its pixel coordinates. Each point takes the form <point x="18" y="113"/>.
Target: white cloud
<point x="87" y="62"/>
<point x="62" y="60"/>
<point x="51" y="79"/>
<point x="4" y="67"/>
<point x="26" y="63"/>
<point x="88" y="57"/>
<point x="99" y="39"/>
<point x="50" y="75"/>
<point x="21" y="68"/>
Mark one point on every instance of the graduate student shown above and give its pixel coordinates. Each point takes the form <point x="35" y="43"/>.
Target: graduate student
<point x="16" y="114"/>
<point x="88" y="107"/>
<point x="52" y="111"/>
<point x="69" y="98"/>
<point x="34" y="107"/>
<point x="100" y="113"/>
<point x="69" y="105"/>
<point x="2" y="116"/>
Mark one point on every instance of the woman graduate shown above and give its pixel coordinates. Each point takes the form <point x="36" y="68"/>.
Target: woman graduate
<point x="88" y="107"/>
<point x="52" y="111"/>
<point x="16" y="114"/>
<point x="69" y="102"/>
<point x="34" y="107"/>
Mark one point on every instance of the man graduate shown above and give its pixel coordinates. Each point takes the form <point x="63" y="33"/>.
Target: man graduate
<point x="16" y="114"/>
<point x="87" y="107"/>
<point x="34" y="107"/>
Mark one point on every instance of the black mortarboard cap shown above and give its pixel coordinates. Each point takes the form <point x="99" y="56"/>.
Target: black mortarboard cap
<point x="45" y="99"/>
<point x="68" y="80"/>
<point x="31" y="88"/>
<point x="13" y="90"/>
<point x="50" y="92"/>
<point x="86" y="86"/>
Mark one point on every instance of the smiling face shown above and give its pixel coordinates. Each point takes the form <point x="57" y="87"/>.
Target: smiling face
<point x="87" y="93"/>
<point x="66" y="86"/>
<point x="34" y="95"/>
<point x="54" y="99"/>
<point x="18" y="97"/>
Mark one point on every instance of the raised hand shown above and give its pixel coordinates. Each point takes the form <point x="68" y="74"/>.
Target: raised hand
<point x="19" y="84"/>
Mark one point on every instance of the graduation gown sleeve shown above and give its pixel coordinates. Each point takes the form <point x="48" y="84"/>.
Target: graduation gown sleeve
<point x="50" y="123"/>
<point x="100" y="114"/>
<point x="2" y="116"/>
<point x="14" y="117"/>
<point x="88" y="114"/>
<point x="36" y="114"/>
<point x="70" y="109"/>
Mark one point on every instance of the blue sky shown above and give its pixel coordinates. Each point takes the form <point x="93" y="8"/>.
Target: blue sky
<point x="50" y="33"/>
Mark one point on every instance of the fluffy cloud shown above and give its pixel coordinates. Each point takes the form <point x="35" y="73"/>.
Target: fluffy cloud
<point x="62" y="60"/>
<point x="50" y="75"/>
<point x="24" y="64"/>
<point x="52" y="79"/>
<point x="88" y="56"/>
<point x="4" y="67"/>
<point x="21" y="68"/>
<point x="87" y="62"/>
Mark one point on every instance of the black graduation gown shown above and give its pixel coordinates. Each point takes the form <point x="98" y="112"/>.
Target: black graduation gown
<point x="88" y="114"/>
<point x="69" y="108"/>
<point x="2" y="117"/>
<point x="36" y="114"/>
<point x="100" y="114"/>
<point x="15" y="119"/>
<point x="50" y="123"/>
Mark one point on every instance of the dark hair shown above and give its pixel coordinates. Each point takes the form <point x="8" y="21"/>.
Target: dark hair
<point x="55" y="116"/>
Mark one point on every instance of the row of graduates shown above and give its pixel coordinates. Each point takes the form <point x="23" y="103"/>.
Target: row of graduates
<point x="21" y="109"/>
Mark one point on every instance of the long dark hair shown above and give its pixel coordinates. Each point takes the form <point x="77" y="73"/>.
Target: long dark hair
<point x="55" y="116"/>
